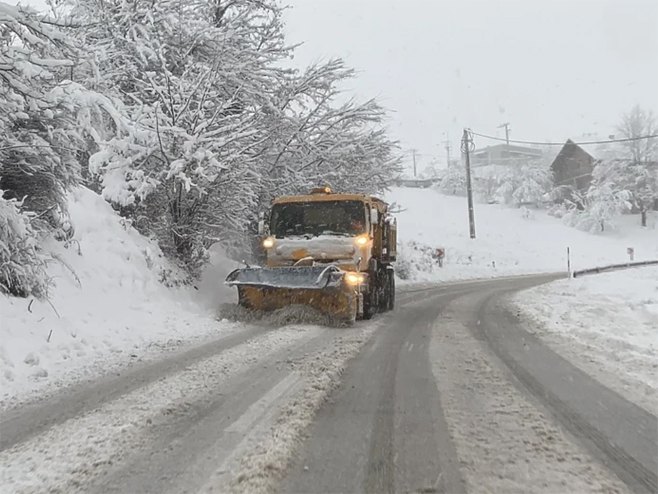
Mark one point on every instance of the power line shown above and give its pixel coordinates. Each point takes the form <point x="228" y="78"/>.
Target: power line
<point x="538" y="143"/>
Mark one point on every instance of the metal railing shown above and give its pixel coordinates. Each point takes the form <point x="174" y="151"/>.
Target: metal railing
<point x="613" y="267"/>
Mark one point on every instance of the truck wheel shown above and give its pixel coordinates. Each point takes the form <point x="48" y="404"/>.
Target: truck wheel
<point x="391" y="289"/>
<point x="370" y="302"/>
<point x="384" y="289"/>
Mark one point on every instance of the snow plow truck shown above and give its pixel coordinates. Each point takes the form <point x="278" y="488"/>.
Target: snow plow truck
<point x="330" y="251"/>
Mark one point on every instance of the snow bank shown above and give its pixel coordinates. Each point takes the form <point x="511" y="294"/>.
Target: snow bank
<point x="108" y="305"/>
<point x="509" y="241"/>
<point x="605" y="324"/>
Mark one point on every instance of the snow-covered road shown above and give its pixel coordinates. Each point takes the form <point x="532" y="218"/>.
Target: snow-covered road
<point x="135" y="432"/>
<point x="605" y="324"/>
<point x="432" y="396"/>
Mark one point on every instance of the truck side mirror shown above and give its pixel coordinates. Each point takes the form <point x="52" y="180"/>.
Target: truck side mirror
<point x="261" y="223"/>
<point x="374" y="216"/>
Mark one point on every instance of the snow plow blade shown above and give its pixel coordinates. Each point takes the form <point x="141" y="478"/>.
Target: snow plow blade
<point x="319" y="287"/>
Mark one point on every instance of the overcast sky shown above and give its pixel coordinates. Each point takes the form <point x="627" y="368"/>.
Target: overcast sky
<point x="554" y="69"/>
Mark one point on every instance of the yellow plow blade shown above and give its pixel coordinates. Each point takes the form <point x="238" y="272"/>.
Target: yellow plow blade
<point x="320" y="287"/>
<point x="338" y="303"/>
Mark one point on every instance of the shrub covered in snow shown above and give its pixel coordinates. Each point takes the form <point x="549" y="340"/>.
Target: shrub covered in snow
<point x="22" y="266"/>
<point x="414" y="258"/>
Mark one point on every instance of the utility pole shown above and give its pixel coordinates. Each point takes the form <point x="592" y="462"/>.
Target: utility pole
<point x="466" y="149"/>
<point x="447" y="143"/>
<point x="413" y="154"/>
<point x="506" y="126"/>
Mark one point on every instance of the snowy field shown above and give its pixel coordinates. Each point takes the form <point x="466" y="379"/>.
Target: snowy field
<point x="508" y="241"/>
<point x="108" y="306"/>
<point x="605" y="324"/>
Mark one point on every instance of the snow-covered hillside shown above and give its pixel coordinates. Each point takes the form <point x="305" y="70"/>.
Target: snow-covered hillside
<point x="508" y="240"/>
<point x="108" y="304"/>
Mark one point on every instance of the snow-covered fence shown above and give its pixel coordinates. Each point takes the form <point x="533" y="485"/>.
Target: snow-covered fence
<point x="614" y="267"/>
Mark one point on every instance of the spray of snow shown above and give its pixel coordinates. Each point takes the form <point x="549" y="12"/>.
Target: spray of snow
<point x="212" y="290"/>
<point x="293" y="314"/>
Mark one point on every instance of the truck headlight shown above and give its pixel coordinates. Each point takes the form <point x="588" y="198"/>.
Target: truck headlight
<point x="354" y="278"/>
<point x="361" y="240"/>
<point x="268" y="243"/>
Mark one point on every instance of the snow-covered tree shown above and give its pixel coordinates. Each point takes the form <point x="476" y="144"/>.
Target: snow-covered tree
<point x="533" y="182"/>
<point x="322" y="142"/>
<point x="218" y="124"/>
<point x="433" y="170"/>
<point x="22" y="265"/>
<point x="196" y="80"/>
<point x="639" y="122"/>
<point x="41" y="141"/>
<point x="641" y="156"/>
<point x="486" y="182"/>
<point x="605" y="199"/>
<point x="518" y="184"/>
<point x="454" y="180"/>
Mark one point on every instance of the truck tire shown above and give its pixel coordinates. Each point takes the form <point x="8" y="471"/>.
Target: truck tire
<point x="370" y="302"/>
<point x="372" y="299"/>
<point x="391" y="289"/>
<point x="383" y="290"/>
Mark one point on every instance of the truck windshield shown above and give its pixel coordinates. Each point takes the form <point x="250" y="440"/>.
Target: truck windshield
<point x="318" y="218"/>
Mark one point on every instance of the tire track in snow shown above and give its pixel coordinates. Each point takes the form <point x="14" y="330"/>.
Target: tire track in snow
<point x="69" y="455"/>
<point x="504" y="441"/>
<point x="29" y="419"/>
<point x="261" y="468"/>
<point x="621" y="434"/>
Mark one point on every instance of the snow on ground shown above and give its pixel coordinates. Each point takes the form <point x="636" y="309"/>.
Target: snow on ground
<point x="508" y="241"/>
<point x="504" y="442"/>
<point x="108" y="306"/>
<point x="605" y="324"/>
<point x="64" y="459"/>
<point x="267" y="458"/>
